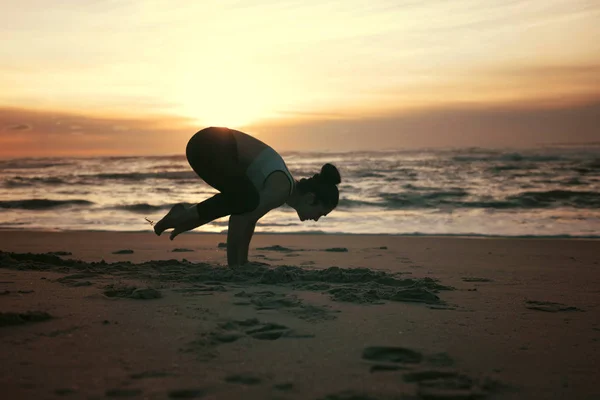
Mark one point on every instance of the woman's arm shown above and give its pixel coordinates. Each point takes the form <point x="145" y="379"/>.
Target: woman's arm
<point x="239" y="235"/>
<point x="241" y="226"/>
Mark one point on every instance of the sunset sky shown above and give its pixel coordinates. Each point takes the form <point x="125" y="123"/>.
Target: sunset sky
<point x="83" y="77"/>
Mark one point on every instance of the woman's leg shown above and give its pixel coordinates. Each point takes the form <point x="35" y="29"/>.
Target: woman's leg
<point x="212" y="154"/>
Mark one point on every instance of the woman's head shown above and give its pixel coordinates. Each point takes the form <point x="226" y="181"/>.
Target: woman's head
<point x="319" y="194"/>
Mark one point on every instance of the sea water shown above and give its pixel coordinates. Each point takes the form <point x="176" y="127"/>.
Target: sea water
<point x="542" y="192"/>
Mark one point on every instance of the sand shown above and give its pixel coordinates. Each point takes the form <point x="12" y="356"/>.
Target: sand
<point x="96" y="315"/>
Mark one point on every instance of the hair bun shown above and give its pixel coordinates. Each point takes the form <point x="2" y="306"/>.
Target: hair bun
<point x="330" y="174"/>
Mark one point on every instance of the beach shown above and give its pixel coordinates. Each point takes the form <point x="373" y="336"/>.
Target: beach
<point x="96" y="315"/>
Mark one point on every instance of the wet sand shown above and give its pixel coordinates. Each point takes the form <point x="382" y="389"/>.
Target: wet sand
<point x="95" y="315"/>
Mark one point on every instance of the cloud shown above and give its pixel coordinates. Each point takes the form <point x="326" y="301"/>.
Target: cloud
<point x="80" y="134"/>
<point x="120" y="128"/>
<point x="564" y="84"/>
<point x="524" y="124"/>
<point x="18" y="127"/>
<point x="566" y="78"/>
<point x="502" y="125"/>
<point x="310" y="114"/>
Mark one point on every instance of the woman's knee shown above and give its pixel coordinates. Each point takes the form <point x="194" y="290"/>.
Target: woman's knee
<point x="198" y="141"/>
<point x="212" y="145"/>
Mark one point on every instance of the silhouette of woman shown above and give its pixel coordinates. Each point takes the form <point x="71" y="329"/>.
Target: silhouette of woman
<point x="252" y="179"/>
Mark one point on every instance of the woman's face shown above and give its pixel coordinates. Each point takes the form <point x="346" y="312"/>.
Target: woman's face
<point x="308" y="209"/>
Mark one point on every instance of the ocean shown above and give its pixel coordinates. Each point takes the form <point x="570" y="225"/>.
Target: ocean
<point x="545" y="192"/>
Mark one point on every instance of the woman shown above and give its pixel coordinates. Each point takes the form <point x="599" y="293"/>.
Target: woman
<point x="252" y="179"/>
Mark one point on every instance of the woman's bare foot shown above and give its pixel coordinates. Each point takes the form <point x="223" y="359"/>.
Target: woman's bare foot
<point x="186" y="221"/>
<point x="169" y="220"/>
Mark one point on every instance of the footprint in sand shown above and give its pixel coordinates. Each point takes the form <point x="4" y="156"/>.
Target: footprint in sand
<point x="351" y="395"/>
<point x="446" y="385"/>
<point x="233" y="330"/>
<point x="549" y="306"/>
<point x="244" y="379"/>
<point x="337" y="250"/>
<point x="268" y="300"/>
<point x="391" y="358"/>
<point x="202" y="290"/>
<point x="60" y="253"/>
<point x="76" y="280"/>
<point x="125" y="251"/>
<point x="187" y="394"/>
<point x="432" y="374"/>
<point x="123" y="392"/>
<point x="473" y="279"/>
<point x="60" y="332"/>
<point x="260" y="330"/>
<point x="64" y="391"/>
<point x="10" y="318"/>
<point x="270" y="331"/>
<point x="276" y="248"/>
<point x="285" y="386"/>
<point x="150" y="374"/>
<point x="131" y="292"/>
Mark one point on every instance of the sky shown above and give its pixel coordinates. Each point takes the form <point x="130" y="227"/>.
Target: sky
<point x="118" y="77"/>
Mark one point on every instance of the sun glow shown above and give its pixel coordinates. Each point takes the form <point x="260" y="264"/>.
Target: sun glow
<point x="224" y="107"/>
<point x="219" y="89"/>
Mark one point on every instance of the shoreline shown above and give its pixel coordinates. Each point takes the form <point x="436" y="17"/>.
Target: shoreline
<point x="320" y="233"/>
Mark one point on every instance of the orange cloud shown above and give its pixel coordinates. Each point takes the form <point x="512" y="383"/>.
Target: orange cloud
<point x="18" y="127"/>
<point x="523" y="124"/>
<point x="484" y="124"/>
<point x="49" y="133"/>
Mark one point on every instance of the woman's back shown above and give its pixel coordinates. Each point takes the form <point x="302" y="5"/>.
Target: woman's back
<point x="259" y="160"/>
<point x="248" y="147"/>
